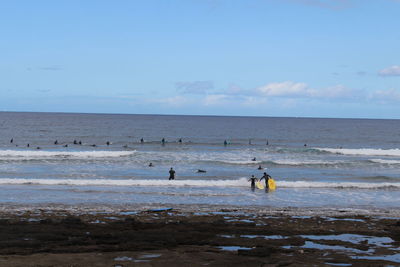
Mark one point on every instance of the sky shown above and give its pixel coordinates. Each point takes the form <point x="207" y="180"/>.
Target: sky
<point x="281" y="58"/>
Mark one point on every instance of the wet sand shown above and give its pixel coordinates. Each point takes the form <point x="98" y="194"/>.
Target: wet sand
<point x="196" y="236"/>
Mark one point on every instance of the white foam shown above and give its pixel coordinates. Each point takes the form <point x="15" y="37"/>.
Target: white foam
<point x="131" y="182"/>
<point x="363" y="151"/>
<point x="242" y="182"/>
<point x="385" y="161"/>
<point x="40" y="154"/>
<point x="354" y="185"/>
<point x="305" y="162"/>
<point x="241" y="162"/>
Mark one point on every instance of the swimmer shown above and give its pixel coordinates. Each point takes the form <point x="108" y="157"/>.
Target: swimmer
<point x="66" y="145"/>
<point x="259" y="167"/>
<point x="108" y="143"/>
<point x="12" y="140"/>
<point x="225" y="143"/>
<point x="171" y="174"/>
<point x="141" y="140"/>
<point x="201" y="170"/>
<point x="75" y="142"/>
<point x="266" y="177"/>
<point x="56" y="142"/>
<point x="253" y="181"/>
<point x="151" y="164"/>
<point x="254" y="159"/>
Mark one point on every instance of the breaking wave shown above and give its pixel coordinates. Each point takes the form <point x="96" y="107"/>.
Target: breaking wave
<point x="28" y="154"/>
<point x="242" y="182"/>
<point x="363" y="151"/>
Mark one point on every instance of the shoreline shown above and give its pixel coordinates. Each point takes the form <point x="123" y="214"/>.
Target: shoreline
<point x="79" y="209"/>
<point x="196" y="235"/>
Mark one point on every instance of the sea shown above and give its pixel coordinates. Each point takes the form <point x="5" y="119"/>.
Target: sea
<point x="101" y="159"/>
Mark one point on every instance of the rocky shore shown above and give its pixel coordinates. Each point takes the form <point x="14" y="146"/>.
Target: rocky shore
<point x="205" y="236"/>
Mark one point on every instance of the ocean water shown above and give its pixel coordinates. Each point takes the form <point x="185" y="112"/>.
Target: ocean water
<point x="335" y="163"/>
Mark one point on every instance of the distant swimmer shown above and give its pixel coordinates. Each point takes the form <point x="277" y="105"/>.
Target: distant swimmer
<point x="66" y="145"/>
<point x="93" y="145"/>
<point x="80" y="142"/>
<point x="75" y="142"/>
<point x="38" y="147"/>
<point x="141" y="140"/>
<point x="12" y="140"/>
<point x="27" y="145"/>
<point x="267" y="143"/>
<point x="180" y="140"/>
<point x="201" y="170"/>
<point x="151" y="164"/>
<point x="225" y="143"/>
<point x="56" y="142"/>
<point x="253" y="181"/>
<point x="163" y="141"/>
<point x="305" y="144"/>
<point x="266" y="177"/>
<point x="125" y="146"/>
<point x="259" y="167"/>
<point x="108" y="143"/>
<point x="171" y="174"/>
<point x="254" y="159"/>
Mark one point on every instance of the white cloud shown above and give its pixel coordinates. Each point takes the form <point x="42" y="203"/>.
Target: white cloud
<point x="386" y="96"/>
<point x="171" y="101"/>
<point x="286" y="89"/>
<point x="196" y="87"/>
<point x="390" y="71"/>
<point x="291" y="89"/>
<point x="211" y="100"/>
<point x="335" y="92"/>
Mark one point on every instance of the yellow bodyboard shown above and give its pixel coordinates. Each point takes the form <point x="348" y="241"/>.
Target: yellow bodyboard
<point x="259" y="185"/>
<point x="271" y="184"/>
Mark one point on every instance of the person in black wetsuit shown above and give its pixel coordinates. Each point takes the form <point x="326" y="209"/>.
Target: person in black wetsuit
<point x="266" y="177"/>
<point x="171" y="174"/>
<point x="253" y="181"/>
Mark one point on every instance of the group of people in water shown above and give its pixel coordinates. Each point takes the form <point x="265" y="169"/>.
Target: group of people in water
<point x="252" y="179"/>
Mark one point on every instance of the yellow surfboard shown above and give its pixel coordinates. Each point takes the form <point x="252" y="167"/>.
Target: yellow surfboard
<point x="259" y="185"/>
<point x="271" y="184"/>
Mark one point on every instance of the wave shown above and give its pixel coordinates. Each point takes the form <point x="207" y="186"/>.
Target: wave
<point x="306" y="162"/>
<point x="363" y="151"/>
<point x="242" y="182"/>
<point x="385" y="161"/>
<point x="28" y="154"/>
<point x="239" y="162"/>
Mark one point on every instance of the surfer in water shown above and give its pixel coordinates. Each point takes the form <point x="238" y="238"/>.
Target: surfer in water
<point x="253" y="181"/>
<point x="259" y="167"/>
<point x="171" y="174"/>
<point x="266" y="177"/>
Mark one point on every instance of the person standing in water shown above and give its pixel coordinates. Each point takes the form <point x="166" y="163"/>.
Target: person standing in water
<point x="253" y="181"/>
<point x="266" y="177"/>
<point x="171" y="174"/>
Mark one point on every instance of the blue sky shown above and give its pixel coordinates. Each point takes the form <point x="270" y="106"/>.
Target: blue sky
<point x="299" y="58"/>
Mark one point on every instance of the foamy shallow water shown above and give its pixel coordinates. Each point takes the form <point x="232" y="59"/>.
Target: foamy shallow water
<point x="213" y="195"/>
<point x="344" y="164"/>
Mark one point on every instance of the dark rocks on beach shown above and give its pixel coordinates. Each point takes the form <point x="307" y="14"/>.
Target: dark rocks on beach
<point x="97" y="239"/>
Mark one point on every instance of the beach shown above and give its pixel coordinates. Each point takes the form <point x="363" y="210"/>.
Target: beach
<point x="208" y="236"/>
<point x="83" y="193"/>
